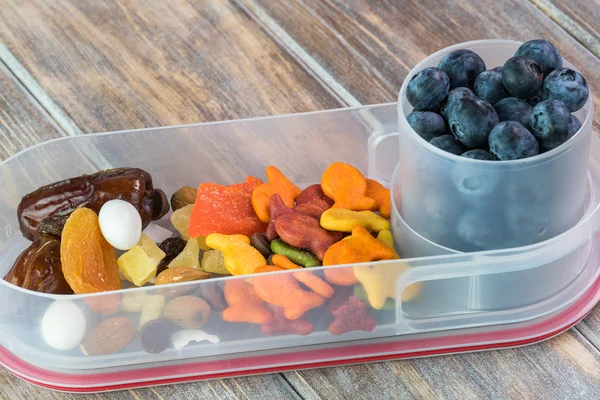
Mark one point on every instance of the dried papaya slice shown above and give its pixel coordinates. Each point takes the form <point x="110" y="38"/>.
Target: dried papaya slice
<point x="225" y="209"/>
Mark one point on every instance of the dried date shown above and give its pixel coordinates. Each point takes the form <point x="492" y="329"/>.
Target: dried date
<point x="39" y="268"/>
<point x="47" y="208"/>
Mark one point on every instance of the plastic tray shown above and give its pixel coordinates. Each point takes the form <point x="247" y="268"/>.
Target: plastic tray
<point x="453" y="311"/>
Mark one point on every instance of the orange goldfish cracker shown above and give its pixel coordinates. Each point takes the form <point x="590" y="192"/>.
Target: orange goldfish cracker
<point x="381" y="195"/>
<point x="284" y="291"/>
<point x="267" y="268"/>
<point x="314" y="283"/>
<point x="240" y="258"/>
<point x="341" y="276"/>
<point x="244" y="304"/>
<point x="361" y="246"/>
<point x="347" y="187"/>
<point x="283" y="262"/>
<point x="277" y="184"/>
<point x="225" y="209"/>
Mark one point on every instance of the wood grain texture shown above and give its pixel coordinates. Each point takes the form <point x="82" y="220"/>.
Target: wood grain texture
<point x="114" y="65"/>
<point x="23" y="122"/>
<point x="268" y="387"/>
<point x="580" y="19"/>
<point x="370" y="46"/>
<point x="561" y="368"/>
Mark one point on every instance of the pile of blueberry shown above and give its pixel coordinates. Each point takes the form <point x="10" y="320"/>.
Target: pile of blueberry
<point x="514" y="111"/>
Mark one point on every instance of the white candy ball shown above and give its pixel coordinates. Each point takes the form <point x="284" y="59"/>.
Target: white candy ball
<point x="63" y="325"/>
<point x="120" y="223"/>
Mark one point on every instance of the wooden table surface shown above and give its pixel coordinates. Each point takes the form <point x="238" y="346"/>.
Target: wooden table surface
<point x="82" y="66"/>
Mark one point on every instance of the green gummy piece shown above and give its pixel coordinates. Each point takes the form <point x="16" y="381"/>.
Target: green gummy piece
<point x="360" y="292"/>
<point x="294" y="254"/>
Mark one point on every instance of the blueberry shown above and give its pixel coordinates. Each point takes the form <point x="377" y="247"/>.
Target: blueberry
<point x="568" y="86"/>
<point x="478" y="154"/>
<point x="488" y="86"/>
<point x="448" y="143"/>
<point x="477" y="231"/>
<point x="462" y="67"/>
<point x="498" y="69"/>
<point x="532" y="101"/>
<point x="471" y="120"/>
<point x="509" y="140"/>
<point x="575" y="125"/>
<point x="427" y="124"/>
<point x="513" y="109"/>
<point x="440" y="214"/>
<point x="522" y="77"/>
<point x="550" y="123"/>
<point x="453" y="95"/>
<point x="542" y="52"/>
<point x="473" y="184"/>
<point x="427" y="89"/>
<point x="530" y="224"/>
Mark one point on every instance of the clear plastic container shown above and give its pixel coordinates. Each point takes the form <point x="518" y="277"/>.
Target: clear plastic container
<point x="473" y="205"/>
<point x="449" y="312"/>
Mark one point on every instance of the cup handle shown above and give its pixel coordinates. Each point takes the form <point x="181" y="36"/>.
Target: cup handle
<point x="383" y="153"/>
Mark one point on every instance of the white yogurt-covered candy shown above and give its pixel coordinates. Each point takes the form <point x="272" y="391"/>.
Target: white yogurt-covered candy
<point x="120" y="223"/>
<point x="184" y="337"/>
<point x="63" y="325"/>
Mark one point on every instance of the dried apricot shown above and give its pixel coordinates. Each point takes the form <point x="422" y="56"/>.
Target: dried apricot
<point x="88" y="260"/>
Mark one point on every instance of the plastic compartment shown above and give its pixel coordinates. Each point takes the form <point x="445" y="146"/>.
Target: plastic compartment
<point x="474" y="205"/>
<point x="303" y="146"/>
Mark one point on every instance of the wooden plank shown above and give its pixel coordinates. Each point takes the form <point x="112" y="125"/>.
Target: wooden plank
<point x="23" y="122"/>
<point x="564" y="367"/>
<point x="268" y="387"/>
<point x="579" y="19"/>
<point x="370" y="46"/>
<point x="118" y="65"/>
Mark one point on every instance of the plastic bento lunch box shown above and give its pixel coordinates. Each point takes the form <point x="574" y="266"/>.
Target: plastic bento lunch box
<point x="458" y="302"/>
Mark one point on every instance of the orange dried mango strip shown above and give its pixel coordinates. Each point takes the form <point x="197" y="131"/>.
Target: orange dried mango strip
<point x="225" y="209"/>
<point x="347" y="187"/>
<point x="283" y="262"/>
<point x="277" y="184"/>
<point x="361" y="246"/>
<point x="381" y="195"/>
<point x="244" y="304"/>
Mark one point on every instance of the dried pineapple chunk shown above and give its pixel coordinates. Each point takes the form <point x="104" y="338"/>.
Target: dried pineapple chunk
<point x="213" y="262"/>
<point x="151" y="248"/>
<point x="136" y="266"/>
<point x="153" y="306"/>
<point x="188" y="257"/>
<point x="181" y="221"/>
